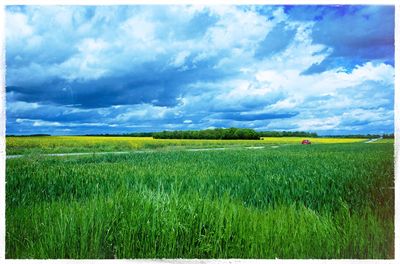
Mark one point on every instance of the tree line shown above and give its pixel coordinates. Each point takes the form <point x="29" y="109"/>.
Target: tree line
<point x="286" y="134"/>
<point x="217" y="133"/>
<point x="363" y="136"/>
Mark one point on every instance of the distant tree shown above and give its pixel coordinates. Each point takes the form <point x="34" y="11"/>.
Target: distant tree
<point x="286" y="134"/>
<point x="218" y="133"/>
<point x="388" y="135"/>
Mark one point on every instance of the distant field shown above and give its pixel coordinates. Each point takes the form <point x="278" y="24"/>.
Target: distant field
<point x="294" y="140"/>
<point x="384" y="141"/>
<point x="68" y="144"/>
<point x="293" y="201"/>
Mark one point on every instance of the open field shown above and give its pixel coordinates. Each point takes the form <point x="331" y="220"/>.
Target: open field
<point x="320" y="140"/>
<point x="384" y="141"/>
<point x="294" y="201"/>
<point x="71" y="144"/>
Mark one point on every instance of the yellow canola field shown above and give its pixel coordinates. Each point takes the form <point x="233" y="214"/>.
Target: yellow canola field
<point x="72" y="140"/>
<point x="140" y="142"/>
<point x="113" y="143"/>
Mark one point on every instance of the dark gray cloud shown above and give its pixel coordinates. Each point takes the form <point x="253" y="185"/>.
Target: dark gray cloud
<point x="253" y="117"/>
<point x="276" y="41"/>
<point x="356" y="34"/>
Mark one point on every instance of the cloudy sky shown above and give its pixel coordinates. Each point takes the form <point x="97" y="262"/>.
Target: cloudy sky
<point x="118" y="69"/>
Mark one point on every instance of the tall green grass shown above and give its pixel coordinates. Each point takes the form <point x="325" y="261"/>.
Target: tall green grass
<point x="320" y="201"/>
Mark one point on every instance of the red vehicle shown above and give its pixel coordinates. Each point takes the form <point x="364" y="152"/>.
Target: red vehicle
<point x="306" y="142"/>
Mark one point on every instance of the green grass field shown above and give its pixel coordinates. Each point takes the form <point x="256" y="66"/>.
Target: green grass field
<point x="294" y="201"/>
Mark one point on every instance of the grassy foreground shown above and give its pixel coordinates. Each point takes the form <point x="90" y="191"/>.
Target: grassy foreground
<point x="317" y="201"/>
<point x="69" y="144"/>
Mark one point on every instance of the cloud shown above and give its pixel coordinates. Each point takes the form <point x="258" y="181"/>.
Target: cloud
<point x="276" y="40"/>
<point x="114" y="69"/>
<point x="356" y="34"/>
<point x="253" y="117"/>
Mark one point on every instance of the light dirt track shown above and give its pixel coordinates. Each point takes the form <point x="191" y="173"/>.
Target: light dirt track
<point x="135" y="151"/>
<point x="372" y="140"/>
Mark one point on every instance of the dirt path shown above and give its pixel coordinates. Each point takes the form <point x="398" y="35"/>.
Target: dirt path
<point x="135" y="151"/>
<point x="372" y="140"/>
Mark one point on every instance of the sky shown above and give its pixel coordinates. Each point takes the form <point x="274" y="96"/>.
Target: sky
<point x="122" y="69"/>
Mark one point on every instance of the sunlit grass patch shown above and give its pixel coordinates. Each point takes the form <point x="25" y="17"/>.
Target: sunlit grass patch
<point x="319" y="140"/>
<point x="384" y="141"/>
